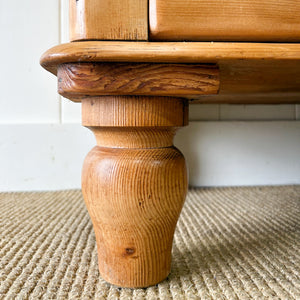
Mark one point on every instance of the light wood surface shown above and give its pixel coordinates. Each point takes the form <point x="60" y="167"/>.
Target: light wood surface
<point x="77" y="80"/>
<point x="108" y="20"/>
<point x="134" y="184"/>
<point x="134" y="111"/>
<point x="245" y="68"/>
<point x="226" y="20"/>
<point x="168" y="52"/>
<point x="264" y="76"/>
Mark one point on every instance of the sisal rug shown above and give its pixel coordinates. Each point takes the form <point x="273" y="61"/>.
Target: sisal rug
<point x="230" y="243"/>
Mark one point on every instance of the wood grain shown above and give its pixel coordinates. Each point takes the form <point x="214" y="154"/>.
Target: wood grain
<point x="245" y="68"/>
<point x="77" y="80"/>
<point x="134" y="111"/>
<point x="168" y="52"/>
<point x="134" y="184"/>
<point x="227" y="20"/>
<point x="250" y="77"/>
<point x="108" y="20"/>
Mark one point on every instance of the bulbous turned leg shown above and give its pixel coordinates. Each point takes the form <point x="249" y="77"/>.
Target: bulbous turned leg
<point x="134" y="183"/>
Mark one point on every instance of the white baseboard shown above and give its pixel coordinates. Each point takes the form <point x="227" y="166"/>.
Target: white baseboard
<point x="241" y="153"/>
<point x="50" y="157"/>
<point x="42" y="157"/>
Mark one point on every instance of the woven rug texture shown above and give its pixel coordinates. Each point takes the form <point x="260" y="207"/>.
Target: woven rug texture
<point x="230" y="243"/>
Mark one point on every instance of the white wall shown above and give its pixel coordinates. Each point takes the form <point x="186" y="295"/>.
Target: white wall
<point x="42" y="144"/>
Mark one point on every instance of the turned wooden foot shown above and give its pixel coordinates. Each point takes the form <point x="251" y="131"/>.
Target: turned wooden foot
<point x="134" y="183"/>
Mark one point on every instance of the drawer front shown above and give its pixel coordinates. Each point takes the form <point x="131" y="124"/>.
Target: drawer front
<point x="225" y="20"/>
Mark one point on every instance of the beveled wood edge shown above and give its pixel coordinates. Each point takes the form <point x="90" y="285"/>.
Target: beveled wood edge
<point x="167" y="52"/>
